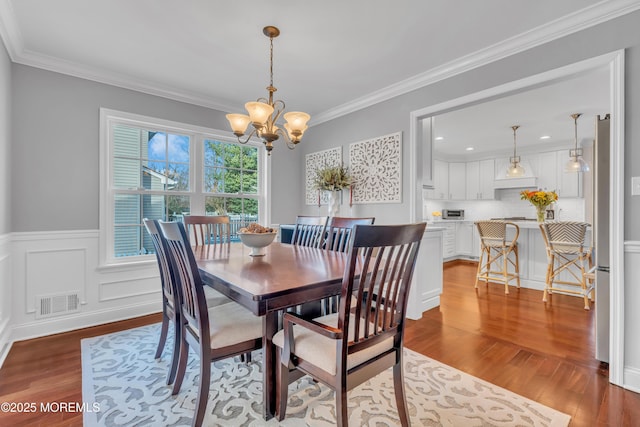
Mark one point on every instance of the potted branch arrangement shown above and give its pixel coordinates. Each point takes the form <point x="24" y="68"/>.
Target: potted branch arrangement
<point x="332" y="179"/>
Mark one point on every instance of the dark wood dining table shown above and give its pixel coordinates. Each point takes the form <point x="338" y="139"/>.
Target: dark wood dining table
<point x="286" y="276"/>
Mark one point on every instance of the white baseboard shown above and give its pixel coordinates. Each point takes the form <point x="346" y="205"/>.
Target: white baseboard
<point x="632" y="379"/>
<point x="82" y="320"/>
<point x="5" y="340"/>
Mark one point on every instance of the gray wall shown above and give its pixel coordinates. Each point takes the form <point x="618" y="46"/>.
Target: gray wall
<point x="393" y="115"/>
<point x="5" y="138"/>
<point x="55" y="147"/>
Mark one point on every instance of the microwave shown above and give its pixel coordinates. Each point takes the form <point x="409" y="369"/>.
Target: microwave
<point x="453" y="214"/>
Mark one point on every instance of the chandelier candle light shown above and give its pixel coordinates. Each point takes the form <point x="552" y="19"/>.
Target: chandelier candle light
<point x="515" y="169"/>
<point x="264" y="113"/>
<point x="540" y="199"/>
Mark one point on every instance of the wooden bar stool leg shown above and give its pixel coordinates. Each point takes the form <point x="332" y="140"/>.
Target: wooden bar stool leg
<point x="583" y="283"/>
<point x="549" y="278"/>
<point x="505" y="271"/>
<point x="479" y="269"/>
<point x="515" y="249"/>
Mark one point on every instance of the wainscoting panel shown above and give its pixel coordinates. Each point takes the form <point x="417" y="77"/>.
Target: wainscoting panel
<point x="128" y="288"/>
<point x="54" y="271"/>
<point x="5" y="296"/>
<point x="632" y="316"/>
<point x="66" y="263"/>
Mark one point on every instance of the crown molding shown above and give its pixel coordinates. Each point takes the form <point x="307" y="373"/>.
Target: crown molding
<point x="558" y="28"/>
<point x="119" y="80"/>
<point x="582" y="19"/>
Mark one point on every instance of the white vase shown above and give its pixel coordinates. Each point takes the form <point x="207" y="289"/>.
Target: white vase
<point x="334" y="202"/>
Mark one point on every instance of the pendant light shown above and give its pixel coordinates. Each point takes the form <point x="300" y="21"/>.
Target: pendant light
<point x="515" y="169"/>
<point x="576" y="163"/>
<point x="264" y="113"/>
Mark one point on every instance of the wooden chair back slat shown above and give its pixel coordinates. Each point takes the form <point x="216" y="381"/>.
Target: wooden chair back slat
<point x="166" y="272"/>
<point x="193" y="302"/>
<point x="378" y="277"/>
<point x="309" y="231"/>
<point x="207" y="230"/>
<point x="339" y="231"/>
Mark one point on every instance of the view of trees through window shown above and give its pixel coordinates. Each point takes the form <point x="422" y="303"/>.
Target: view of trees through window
<point x="153" y="177"/>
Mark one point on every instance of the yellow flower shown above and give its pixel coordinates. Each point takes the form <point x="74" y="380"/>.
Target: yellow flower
<point x="539" y="198"/>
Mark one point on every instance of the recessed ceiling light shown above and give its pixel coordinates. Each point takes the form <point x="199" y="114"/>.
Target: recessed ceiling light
<point x="439" y="138"/>
<point x="545" y="137"/>
<point x="469" y="148"/>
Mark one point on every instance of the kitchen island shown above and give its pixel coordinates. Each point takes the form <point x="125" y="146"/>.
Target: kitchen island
<point x="461" y="241"/>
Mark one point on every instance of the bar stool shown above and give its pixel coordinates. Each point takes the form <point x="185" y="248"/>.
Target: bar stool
<point x="566" y="252"/>
<point x="495" y="252"/>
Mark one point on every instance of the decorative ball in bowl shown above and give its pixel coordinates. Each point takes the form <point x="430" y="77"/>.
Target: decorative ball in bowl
<point x="257" y="238"/>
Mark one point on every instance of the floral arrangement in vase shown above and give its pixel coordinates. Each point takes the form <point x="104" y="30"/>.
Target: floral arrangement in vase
<point x="540" y="199"/>
<point x="332" y="179"/>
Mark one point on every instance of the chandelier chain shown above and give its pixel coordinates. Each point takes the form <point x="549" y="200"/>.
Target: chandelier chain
<point x="271" y="61"/>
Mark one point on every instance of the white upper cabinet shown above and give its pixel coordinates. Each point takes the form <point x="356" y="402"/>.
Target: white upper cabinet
<point x="570" y="182"/>
<point x="547" y="171"/>
<point x="457" y="181"/>
<point x="440" y="190"/>
<point x="480" y="177"/>
<point x="551" y="174"/>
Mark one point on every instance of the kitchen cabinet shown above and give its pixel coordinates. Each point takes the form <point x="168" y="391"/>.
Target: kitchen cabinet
<point x="448" y="239"/>
<point x="475" y="243"/>
<point x="547" y="171"/>
<point x="457" y="181"/>
<point x="426" y="286"/>
<point x="570" y="182"/>
<point x="440" y="189"/>
<point x="479" y="180"/>
<point x="551" y="174"/>
<point x="464" y="238"/>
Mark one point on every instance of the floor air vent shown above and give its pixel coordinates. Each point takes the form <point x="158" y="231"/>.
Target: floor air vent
<point x="56" y="305"/>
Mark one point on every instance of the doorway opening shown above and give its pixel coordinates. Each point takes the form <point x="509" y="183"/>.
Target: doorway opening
<point x="421" y="150"/>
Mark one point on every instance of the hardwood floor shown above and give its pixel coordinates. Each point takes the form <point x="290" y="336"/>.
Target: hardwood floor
<point x="543" y="352"/>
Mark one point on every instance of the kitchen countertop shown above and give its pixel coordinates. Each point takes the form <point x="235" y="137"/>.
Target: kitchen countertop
<point x="527" y="224"/>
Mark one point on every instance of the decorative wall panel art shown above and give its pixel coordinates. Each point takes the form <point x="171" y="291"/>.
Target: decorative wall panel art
<point x="313" y="162"/>
<point x="376" y="170"/>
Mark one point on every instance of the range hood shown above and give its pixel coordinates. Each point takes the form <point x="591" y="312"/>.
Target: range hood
<point x="502" y="181"/>
<point x="524" y="182"/>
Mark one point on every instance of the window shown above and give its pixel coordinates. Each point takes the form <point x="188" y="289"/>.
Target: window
<point x="164" y="170"/>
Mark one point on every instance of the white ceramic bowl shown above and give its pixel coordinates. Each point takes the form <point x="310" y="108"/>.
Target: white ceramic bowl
<point x="257" y="241"/>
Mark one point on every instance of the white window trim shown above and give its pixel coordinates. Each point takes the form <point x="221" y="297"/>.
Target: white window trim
<point x="197" y="134"/>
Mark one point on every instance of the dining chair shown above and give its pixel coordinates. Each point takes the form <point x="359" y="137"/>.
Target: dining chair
<point x="338" y="237"/>
<point x="339" y="231"/>
<point x="214" y="333"/>
<point x="497" y="253"/>
<point x="211" y="234"/>
<point x="569" y="260"/>
<point x="345" y="349"/>
<point x="309" y="231"/>
<point x="170" y="303"/>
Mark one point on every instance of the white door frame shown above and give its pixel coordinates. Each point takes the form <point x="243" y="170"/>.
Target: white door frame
<point x="615" y="62"/>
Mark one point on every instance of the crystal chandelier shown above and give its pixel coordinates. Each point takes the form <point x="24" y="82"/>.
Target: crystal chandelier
<point x="576" y="163"/>
<point x="515" y="169"/>
<point x="264" y="113"/>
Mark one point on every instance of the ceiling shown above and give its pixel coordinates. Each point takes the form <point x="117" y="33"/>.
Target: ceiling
<point x="541" y="112"/>
<point x="332" y="56"/>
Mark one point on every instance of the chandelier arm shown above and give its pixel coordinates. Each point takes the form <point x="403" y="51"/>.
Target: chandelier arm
<point x="278" y="108"/>
<point x="253" y="132"/>
<point x="285" y="137"/>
